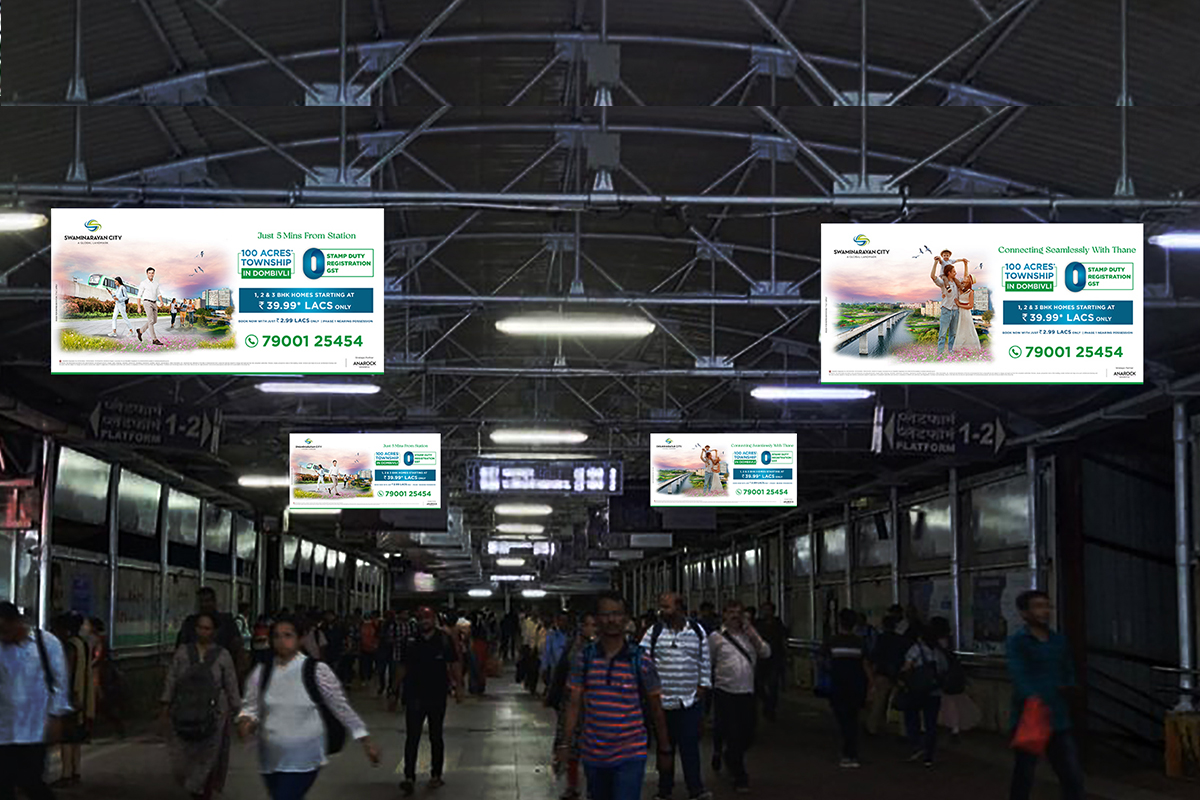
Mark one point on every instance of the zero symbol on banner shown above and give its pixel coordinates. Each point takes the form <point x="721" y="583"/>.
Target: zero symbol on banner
<point x="1076" y="276"/>
<point x="314" y="263"/>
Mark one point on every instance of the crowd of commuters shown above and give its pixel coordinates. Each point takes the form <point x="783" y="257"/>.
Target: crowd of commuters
<point x="619" y="686"/>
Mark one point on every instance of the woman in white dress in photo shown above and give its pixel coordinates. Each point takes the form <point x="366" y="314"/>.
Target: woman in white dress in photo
<point x="965" y="337"/>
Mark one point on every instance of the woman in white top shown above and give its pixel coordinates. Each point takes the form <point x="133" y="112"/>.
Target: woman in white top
<point x="120" y="297"/>
<point x="965" y="338"/>
<point x="291" y="733"/>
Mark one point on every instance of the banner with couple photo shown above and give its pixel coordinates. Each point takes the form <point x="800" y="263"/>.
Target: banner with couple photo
<point x="365" y="470"/>
<point x="723" y="469"/>
<point x="215" y="290"/>
<point x="981" y="303"/>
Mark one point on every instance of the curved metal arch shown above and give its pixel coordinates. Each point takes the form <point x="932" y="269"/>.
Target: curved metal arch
<point x="553" y="38"/>
<point x="555" y="128"/>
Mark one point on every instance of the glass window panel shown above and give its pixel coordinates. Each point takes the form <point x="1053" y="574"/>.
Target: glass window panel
<point x="137" y="504"/>
<point x="81" y="490"/>
<point x="874" y="539"/>
<point x="750" y="566"/>
<point x="306" y="550"/>
<point x="246" y="540"/>
<point x="136" y="621"/>
<point x="291" y="545"/>
<point x="932" y="597"/>
<point x="833" y="549"/>
<point x="181" y="601"/>
<point x="319" y="556"/>
<point x="997" y="514"/>
<point x="78" y="586"/>
<point x="927" y="528"/>
<point x="183" y="515"/>
<point x="216" y="528"/>
<point x="801" y="556"/>
<point x="6" y="564"/>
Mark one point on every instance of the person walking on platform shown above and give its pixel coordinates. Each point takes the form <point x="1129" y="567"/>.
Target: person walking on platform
<point x="77" y="726"/>
<point x="428" y="671"/>
<point x="850" y="677"/>
<point x="35" y="696"/>
<point x="886" y="661"/>
<point x="226" y="635"/>
<point x="615" y="686"/>
<point x="199" y="699"/>
<point x="771" y="669"/>
<point x="557" y="643"/>
<point x="736" y="649"/>
<point x="556" y="698"/>
<point x="925" y="667"/>
<point x="297" y="707"/>
<point x="679" y="650"/>
<point x="1039" y="663"/>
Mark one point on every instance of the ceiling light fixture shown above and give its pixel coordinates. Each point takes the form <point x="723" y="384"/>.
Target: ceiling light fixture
<point x="479" y="592"/>
<point x="523" y="510"/>
<point x="809" y="393"/>
<point x="315" y="511"/>
<point x="520" y="527"/>
<point x="536" y="436"/>
<point x="510" y="562"/>
<point x="1177" y="240"/>
<point x="264" y="481"/>
<point x="599" y="326"/>
<point x="524" y="576"/>
<point x="21" y="221"/>
<point x="533" y="594"/>
<point x="301" y="387"/>
<point x="537" y="456"/>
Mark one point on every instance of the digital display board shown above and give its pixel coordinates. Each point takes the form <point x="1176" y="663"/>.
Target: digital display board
<point x="365" y="470"/>
<point x="582" y="477"/>
<point x="982" y="303"/>
<point x="216" y="290"/>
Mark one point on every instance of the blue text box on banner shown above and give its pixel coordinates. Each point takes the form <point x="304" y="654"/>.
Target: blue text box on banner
<point x="1068" y="312"/>
<point x="309" y="301"/>
<point x="404" y="475"/>
<point x="762" y="474"/>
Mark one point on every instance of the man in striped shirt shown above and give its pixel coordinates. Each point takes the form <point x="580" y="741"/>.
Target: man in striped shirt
<point x="679" y="648"/>
<point x="619" y="685"/>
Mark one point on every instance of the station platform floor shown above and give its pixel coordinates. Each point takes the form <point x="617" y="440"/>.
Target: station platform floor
<point x="498" y="748"/>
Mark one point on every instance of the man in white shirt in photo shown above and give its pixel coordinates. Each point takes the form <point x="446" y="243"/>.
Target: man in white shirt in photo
<point x="736" y="649"/>
<point x="148" y="293"/>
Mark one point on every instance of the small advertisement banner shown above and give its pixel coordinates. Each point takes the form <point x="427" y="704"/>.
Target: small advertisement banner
<point x="214" y="290"/>
<point x="723" y="469"/>
<point x="366" y="470"/>
<point x="981" y="303"/>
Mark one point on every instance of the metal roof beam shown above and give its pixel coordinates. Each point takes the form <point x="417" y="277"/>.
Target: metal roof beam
<point x="780" y="37"/>
<point x="408" y="50"/>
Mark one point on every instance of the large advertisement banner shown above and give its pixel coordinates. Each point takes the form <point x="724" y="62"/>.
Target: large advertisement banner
<point x="213" y="290"/>
<point x="366" y="470"/>
<point x="981" y="303"/>
<point x="723" y="469"/>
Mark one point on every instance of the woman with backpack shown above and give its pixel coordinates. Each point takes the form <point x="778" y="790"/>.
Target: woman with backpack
<point x="199" y="699"/>
<point x="76" y="726"/>
<point x="921" y="678"/>
<point x="298" y="709"/>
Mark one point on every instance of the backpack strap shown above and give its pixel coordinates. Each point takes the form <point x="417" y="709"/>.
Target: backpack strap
<point x="700" y="636"/>
<point x="654" y="634"/>
<point x="738" y="645"/>
<point x="264" y="677"/>
<point x="45" y="659"/>
<point x="308" y="676"/>
<point x="193" y="653"/>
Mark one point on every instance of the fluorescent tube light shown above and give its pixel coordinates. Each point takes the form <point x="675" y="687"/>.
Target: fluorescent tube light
<point x="315" y="511"/>
<point x="479" y="592"/>
<point x="264" y="481"/>
<point x="536" y="436"/>
<point x="523" y="576"/>
<point x="301" y="387"/>
<point x="1177" y="240"/>
<point x="607" y="326"/>
<point x="533" y="594"/>
<point x="809" y="393"/>
<point x="538" y="456"/>
<point x="510" y="562"/>
<point x="523" y="510"/>
<point x="20" y="221"/>
<point x="520" y="527"/>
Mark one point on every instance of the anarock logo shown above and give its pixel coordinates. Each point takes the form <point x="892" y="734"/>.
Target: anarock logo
<point x="92" y="225"/>
<point x="860" y="240"/>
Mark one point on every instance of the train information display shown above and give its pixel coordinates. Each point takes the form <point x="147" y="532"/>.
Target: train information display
<point x="980" y="303"/>
<point x="723" y="469"/>
<point x="214" y="290"/>
<point x="365" y="470"/>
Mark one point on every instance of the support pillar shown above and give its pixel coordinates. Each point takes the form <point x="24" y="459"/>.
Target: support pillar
<point x="849" y="527"/>
<point x="49" y="473"/>
<point x="894" y="524"/>
<point x="1031" y="478"/>
<point x="812" y="579"/>
<point x="1183" y="557"/>
<point x="114" y="482"/>
<point x="164" y="498"/>
<point x="955" y="560"/>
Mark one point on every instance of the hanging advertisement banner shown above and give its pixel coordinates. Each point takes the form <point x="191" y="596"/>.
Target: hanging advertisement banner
<point x="214" y="290"/>
<point x="723" y="469"/>
<point x="981" y="303"/>
<point x="366" y="470"/>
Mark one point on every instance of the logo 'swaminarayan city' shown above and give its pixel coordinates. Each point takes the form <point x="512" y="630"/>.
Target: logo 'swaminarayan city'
<point x="860" y="240"/>
<point x="92" y="225"/>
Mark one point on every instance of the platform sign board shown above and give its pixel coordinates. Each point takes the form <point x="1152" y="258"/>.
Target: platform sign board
<point x="723" y="469"/>
<point x="981" y="303"/>
<point x="973" y="434"/>
<point x="214" y="290"/>
<point x="125" y="420"/>
<point x="366" y="470"/>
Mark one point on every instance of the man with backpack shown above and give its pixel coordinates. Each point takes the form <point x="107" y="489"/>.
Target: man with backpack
<point x="679" y="649"/>
<point x="736" y="649"/>
<point x="557" y="642"/>
<point x="886" y="660"/>
<point x="33" y="674"/>
<point x="615" y="685"/>
<point x="427" y="673"/>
